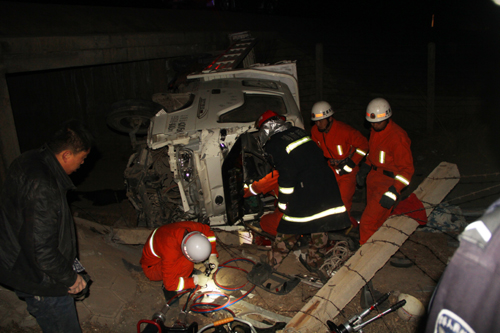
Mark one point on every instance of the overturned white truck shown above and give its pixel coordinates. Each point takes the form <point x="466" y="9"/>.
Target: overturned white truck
<point x="201" y="146"/>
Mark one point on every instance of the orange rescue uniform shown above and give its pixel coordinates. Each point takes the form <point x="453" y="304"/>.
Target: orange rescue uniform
<point x="269" y="184"/>
<point x="162" y="258"/>
<point x="392" y="165"/>
<point x="341" y="142"/>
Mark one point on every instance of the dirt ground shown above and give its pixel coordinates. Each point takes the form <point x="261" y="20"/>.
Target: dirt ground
<point x="429" y="253"/>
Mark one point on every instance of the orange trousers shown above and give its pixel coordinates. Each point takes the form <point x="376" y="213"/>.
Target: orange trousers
<point x="347" y="187"/>
<point x="269" y="222"/>
<point x="374" y="214"/>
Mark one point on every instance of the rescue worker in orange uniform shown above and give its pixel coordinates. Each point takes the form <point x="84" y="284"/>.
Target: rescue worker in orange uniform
<point x="269" y="184"/>
<point x="388" y="168"/>
<point x="343" y="146"/>
<point x="172" y="250"/>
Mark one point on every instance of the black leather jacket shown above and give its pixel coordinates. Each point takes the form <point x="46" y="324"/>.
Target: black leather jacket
<point x="37" y="231"/>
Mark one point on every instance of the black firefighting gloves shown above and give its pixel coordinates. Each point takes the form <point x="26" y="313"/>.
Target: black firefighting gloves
<point x="364" y="169"/>
<point x="389" y="198"/>
<point x="346" y="166"/>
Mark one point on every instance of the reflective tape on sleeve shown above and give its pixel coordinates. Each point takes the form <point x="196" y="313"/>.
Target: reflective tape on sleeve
<point x="402" y="180"/>
<point x="297" y="143"/>
<point x="331" y="211"/>
<point x="180" y="286"/>
<point x="381" y="157"/>
<point x="252" y="190"/>
<point x="339" y="150"/>
<point x="391" y="195"/>
<point x="151" y="244"/>
<point x="347" y="168"/>
<point x="481" y="229"/>
<point x="281" y="206"/>
<point x="286" y="190"/>
<point x="211" y="239"/>
<point x="360" y="152"/>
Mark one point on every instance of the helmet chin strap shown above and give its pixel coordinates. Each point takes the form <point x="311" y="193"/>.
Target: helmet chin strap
<point x="327" y="128"/>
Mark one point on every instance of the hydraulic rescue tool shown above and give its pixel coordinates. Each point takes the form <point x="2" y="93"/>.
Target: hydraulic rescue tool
<point x="228" y="325"/>
<point x="209" y="267"/>
<point x="356" y="324"/>
<point x="240" y="326"/>
<point x="234" y="325"/>
<point x="157" y="324"/>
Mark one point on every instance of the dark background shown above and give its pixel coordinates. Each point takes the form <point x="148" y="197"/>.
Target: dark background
<point x="371" y="49"/>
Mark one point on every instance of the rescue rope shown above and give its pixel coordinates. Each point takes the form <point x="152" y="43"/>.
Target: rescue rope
<point x="338" y="256"/>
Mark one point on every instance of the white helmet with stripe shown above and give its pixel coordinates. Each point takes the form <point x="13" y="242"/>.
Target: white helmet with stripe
<point x="321" y="110"/>
<point x="196" y="247"/>
<point x="378" y="110"/>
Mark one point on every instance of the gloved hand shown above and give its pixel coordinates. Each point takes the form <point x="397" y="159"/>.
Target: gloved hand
<point x="201" y="279"/>
<point x="389" y="198"/>
<point x="363" y="171"/>
<point x="346" y="166"/>
<point x="213" y="260"/>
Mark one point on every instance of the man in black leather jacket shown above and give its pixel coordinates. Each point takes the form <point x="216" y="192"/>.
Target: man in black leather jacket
<point x="37" y="232"/>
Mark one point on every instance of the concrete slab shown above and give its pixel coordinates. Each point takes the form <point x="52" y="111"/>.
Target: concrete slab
<point x="84" y="313"/>
<point x="124" y="288"/>
<point x="103" y="302"/>
<point x="102" y="276"/>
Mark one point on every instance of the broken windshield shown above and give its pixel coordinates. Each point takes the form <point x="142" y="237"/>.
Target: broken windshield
<point x="254" y="105"/>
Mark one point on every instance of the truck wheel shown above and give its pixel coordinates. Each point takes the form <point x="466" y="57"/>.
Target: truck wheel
<point x="127" y="114"/>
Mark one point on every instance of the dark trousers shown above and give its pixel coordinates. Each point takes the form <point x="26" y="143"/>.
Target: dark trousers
<point x="53" y="314"/>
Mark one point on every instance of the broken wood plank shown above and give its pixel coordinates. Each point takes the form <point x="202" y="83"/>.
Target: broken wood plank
<point x="94" y="226"/>
<point x="131" y="236"/>
<point x="372" y="256"/>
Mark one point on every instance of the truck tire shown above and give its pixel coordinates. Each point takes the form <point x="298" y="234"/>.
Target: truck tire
<point x="125" y="114"/>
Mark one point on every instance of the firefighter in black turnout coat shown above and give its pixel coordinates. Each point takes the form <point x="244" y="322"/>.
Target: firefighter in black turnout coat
<point x="309" y="196"/>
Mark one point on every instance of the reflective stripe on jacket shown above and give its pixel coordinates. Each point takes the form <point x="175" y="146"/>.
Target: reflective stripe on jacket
<point x="341" y="141"/>
<point x="308" y="192"/>
<point x="390" y="150"/>
<point x="163" y="247"/>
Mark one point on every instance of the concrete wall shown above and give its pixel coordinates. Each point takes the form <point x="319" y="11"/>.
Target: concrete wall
<point x="47" y="80"/>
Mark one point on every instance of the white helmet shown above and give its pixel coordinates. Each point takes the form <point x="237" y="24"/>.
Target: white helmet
<point x="321" y="110"/>
<point x="378" y="110"/>
<point x="196" y="247"/>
